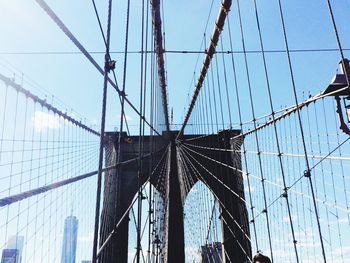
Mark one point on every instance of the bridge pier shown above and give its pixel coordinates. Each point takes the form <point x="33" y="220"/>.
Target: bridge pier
<point x="174" y="222"/>
<point x="233" y="211"/>
<point x="120" y="187"/>
<point x="234" y="215"/>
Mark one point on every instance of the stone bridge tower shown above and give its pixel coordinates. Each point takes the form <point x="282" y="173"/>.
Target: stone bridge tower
<point x="121" y="185"/>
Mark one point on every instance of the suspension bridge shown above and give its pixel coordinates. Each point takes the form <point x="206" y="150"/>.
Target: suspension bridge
<point x="236" y="151"/>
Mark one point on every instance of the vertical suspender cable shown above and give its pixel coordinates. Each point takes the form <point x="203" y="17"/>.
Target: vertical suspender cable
<point x="256" y="135"/>
<point x="241" y="126"/>
<point x="122" y="102"/>
<point x="307" y="172"/>
<point x="226" y="84"/>
<point x="122" y="98"/>
<point x="338" y="40"/>
<point x="103" y="119"/>
<point x="141" y="123"/>
<point x="151" y="197"/>
<point x="219" y="24"/>
<point x="275" y="130"/>
<point x="219" y="89"/>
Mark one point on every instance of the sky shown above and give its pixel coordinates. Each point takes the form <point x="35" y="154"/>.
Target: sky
<point x="28" y="29"/>
<point x="72" y="84"/>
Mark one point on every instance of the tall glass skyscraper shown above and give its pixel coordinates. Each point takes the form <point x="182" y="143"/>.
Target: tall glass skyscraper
<point x="69" y="245"/>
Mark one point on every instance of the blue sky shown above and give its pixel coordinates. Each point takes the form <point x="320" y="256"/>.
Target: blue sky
<point x="75" y="83"/>
<point x="28" y="28"/>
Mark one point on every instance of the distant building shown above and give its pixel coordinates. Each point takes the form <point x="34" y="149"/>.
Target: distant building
<point x="69" y="245"/>
<point x="86" y="261"/>
<point x="9" y="255"/>
<point x="13" y="251"/>
<point x="212" y="253"/>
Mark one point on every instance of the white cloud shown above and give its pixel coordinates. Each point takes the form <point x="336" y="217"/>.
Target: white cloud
<point x="43" y="120"/>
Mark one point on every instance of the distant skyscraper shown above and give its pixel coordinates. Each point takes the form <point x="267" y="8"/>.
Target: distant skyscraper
<point x="9" y="255"/>
<point x="69" y="245"/>
<point x="13" y="251"/>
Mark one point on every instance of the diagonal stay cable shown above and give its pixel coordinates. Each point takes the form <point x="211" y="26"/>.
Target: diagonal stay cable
<point x="114" y="231"/>
<point x="339" y="158"/>
<point x="280" y="114"/>
<point x="76" y="42"/>
<point x="210" y="221"/>
<point x="118" y="224"/>
<point x="121" y="98"/>
<point x="199" y="177"/>
<point x="289" y="188"/>
<point x="27" y="194"/>
<point x="99" y="23"/>
<point x="102" y="134"/>
<point x="301" y="128"/>
<point x="202" y="166"/>
<point x="234" y="168"/>
<point x="221" y="182"/>
<point x="219" y="24"/>
<point x="330" y="153"/>
<point x="24" y="195"/>
<point x="142" y="232"/>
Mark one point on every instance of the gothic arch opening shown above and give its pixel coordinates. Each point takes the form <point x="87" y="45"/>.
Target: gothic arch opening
<point x="152" y="226"/>
<point x="202" y="224"/>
